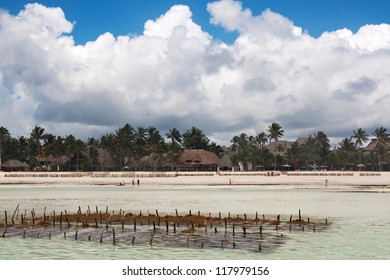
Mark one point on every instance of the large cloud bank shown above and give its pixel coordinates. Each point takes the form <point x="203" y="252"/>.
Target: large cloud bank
<point x="175" y="75"/>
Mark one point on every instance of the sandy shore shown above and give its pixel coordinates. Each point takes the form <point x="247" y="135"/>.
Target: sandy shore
<point x="353" y="181"/>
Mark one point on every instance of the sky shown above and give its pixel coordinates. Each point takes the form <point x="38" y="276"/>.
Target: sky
<point x="226" y="67"/>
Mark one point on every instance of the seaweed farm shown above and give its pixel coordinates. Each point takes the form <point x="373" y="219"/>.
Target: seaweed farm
<point x="103" y="222"/>
<point x="259" y="233"/>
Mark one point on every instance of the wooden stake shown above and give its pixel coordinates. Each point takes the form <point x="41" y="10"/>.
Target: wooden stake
<point x="13" y="216"/>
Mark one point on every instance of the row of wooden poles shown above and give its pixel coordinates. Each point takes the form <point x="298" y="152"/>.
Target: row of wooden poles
<point x="154" y="220"/>
<point x="53" y="217"/>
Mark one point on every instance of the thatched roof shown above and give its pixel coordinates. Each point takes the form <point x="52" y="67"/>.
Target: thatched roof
<point x="225" y="161"/>
<point x="14" y="163"/>
<point x="45" y="158"/>
<point x="59" y="161"/>
<point x="189" y="157"/>
<point x="131" y="164"/>
<point x="372" y="146"/>
<point x="148" y="162"/>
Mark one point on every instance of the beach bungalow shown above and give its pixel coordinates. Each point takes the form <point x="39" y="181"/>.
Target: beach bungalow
<point x="197" y="160"/>
<point x="225" y="163"/>
<point x="15" y="165"/>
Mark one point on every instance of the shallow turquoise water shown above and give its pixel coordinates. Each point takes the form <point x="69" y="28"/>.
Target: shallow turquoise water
<point x="359" y="223"/>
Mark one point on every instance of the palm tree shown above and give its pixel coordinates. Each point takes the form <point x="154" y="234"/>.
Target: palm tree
<point x="79" y="146"/>
<point x="154" y="140"/>
<point x="322" y="142"/>
<point x="361" y="137"/>
<point x="37" y="134"/>
<point x="381" y="137"/>
<point x="310" y="151"/>
<point x="4" y="137"/>
<point x="123" y="139"/>
<point x="347" y="148"/>
<point x="240" y="145"/>
<point x="294" y="154"/>
<point x="274" y="133"/>
<point x="174" y="135"/>
<point x="261" y="139"/>
<point x="195" y="139"/>
<point x="105" y="142"/>
<point x="22" y="147"/>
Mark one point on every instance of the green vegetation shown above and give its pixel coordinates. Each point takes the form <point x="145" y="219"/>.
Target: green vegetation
<point x="264" y="151"/>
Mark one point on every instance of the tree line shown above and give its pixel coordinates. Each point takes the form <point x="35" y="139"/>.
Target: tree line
<point x="251" y="152"/>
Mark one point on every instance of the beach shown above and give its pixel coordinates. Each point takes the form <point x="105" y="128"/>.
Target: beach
<point x="344" y="210"/>
<point x="337" y="180"/>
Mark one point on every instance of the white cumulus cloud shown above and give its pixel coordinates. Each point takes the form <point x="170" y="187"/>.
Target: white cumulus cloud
<point x="176" y="75"/>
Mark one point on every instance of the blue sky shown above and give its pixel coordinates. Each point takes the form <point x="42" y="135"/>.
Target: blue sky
<point x="226" y="67"/>
<point x="122" y="17"/>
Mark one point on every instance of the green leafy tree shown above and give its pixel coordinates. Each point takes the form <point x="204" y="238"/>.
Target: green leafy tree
<point x="4" y="137"/>
<point x="123" y="142"/>
<point x="275" y="132"/>
<point x="195" y="139"/>
<point x="174" y="135"/>
<point x="347" y="149"/>
<point x="323" y="146"/>
<point x="360" y="137"/>
<point x="240" y="147"/>
<point x="36" y="136"/>
<point x="381" y="147"/>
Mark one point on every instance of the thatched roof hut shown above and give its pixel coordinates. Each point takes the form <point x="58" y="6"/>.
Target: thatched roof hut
<point x="14" y="165"/>
<point x="225" y="163"/>
<point x="148" y="163"/>
<point x="57" y="162"/>
<point x="131" y="164"/>
<point x="197" y="160"/>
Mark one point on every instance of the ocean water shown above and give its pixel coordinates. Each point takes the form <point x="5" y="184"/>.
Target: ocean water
<point x="358" y="223"/>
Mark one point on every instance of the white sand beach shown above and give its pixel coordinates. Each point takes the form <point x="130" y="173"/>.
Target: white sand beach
<point x="348" y="181"/>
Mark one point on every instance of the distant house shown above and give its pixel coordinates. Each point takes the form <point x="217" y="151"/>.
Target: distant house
<point x="197" y="160"/>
